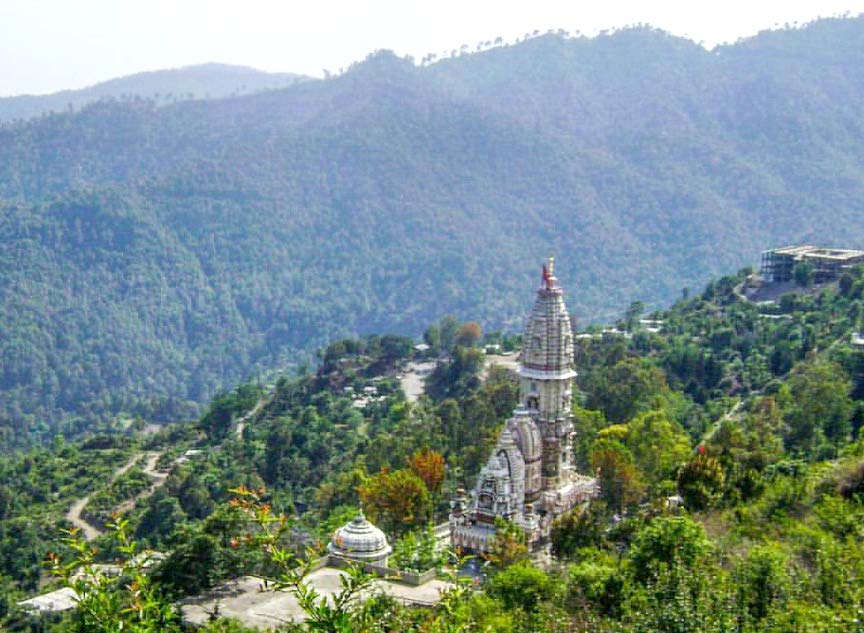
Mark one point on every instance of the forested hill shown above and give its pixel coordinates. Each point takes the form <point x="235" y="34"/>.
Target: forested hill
<point x="152" y="251"/>
<point x="205" y="81"/>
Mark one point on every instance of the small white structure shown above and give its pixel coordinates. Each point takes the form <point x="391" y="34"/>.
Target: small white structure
<point x="54" y="602"/>
<point x="360" y="541"/>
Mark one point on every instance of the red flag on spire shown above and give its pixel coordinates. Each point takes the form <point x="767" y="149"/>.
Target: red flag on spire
<point x="546" y="276"/>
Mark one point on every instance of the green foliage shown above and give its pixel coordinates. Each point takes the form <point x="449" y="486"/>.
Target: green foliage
<point x="582" y="527"/>
<point x="508" y="545"/>
<point x="821" y="409"/>
<point x="658" y="445"/>
<point x="700" y="482"/>
<point x="398" y="501"/>
<point x="667" y="542"/>
<point x="620" y="482"/>
<point x="763" y="582"/>
<point x="784" y="519"/>
<point x="417" y="551"/>
<point x="599" y="582"/>
<point x="151" y="256"/>
<point x="106" y="602"/>
<point x="625" y="388"/>
<point x="521" y="586"/>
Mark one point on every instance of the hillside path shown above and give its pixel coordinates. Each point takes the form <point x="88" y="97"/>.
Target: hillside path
<point x="241" y="423"/>
<point x="706" y="437"/>
<point x="74" y="517"/>
<point x="90" y="531"/>
<point x="159" y="478"/>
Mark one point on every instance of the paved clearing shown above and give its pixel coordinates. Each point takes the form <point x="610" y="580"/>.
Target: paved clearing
<point x="507" y="361"/>
<point x="246" y="599"/>
<point x="413" y="382"/>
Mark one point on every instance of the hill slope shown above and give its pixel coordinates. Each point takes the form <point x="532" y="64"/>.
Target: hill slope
<point x="205" y="81"/>
<point x="154" y="252"/>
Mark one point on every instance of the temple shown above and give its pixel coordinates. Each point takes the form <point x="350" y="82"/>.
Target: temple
<point x="529" y="478"/>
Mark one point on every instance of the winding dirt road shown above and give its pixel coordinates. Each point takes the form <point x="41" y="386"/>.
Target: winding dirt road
<point x="241" y="423"/>
<point x="90" y="531"/>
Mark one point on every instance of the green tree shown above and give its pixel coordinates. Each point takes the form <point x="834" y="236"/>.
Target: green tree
<point x="620" y="482"/>
<point x="802" y="273"/>
<point x="658" y="444"/>
<point x="632" y="314"/>
<point x="762" y="582"/>
<point x="626" y="388"/>
<point x="820" y="408"/>
<point x="521" y="586"/>
<point x="108" y="603"/>
<point x="666" y="542"/>
<point x="700" y="481"/>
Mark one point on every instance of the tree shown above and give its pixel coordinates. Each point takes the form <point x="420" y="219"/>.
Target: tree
<point x="432" y="338"/>
<point x="508" y="545"/>
<point x="802" y="273"/>
<point x="700" y="481"/>
<point x="632" y="314"/>
<point x="521" y="586"/>
<point x="666" y="542"/>
<point x="399" y="500"/>
<point x="659" y="445"/>
<point x="599" y="581"/>
<point x="161" y="518"/>
<point x="581" y="527"/>
<point x="820" y="408"/>
<point x="620" y="484"/>
<point x="762" y="582"/>
<point x="417" y="551"/>
<point x="128" y="601"/>
<point x="429" y="466"/>
<point x="448" y="328"/>
<point x="469" y="334"/>
<point x="626" y="388"/>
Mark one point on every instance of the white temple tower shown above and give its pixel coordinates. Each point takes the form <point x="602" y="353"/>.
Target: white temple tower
<point x="538" y="484"/>
<point x="546" y="376"/>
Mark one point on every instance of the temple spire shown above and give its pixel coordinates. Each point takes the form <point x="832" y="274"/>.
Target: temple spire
<point x="549" y="274"/>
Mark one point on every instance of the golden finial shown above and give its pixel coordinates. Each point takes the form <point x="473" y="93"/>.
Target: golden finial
<point x="551" y="265"/>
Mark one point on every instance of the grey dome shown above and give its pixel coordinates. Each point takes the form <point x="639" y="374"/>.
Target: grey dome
<point x="360" y="540"/>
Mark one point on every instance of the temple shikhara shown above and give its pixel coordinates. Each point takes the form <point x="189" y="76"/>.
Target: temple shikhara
<point x="529" y="478"/>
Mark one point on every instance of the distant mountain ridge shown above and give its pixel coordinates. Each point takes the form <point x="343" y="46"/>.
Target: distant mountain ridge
<point x="204" y="81"/>
<point x="151" y="253"/>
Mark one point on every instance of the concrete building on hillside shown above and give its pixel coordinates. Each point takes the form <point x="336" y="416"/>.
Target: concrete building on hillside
<point x="529" y="478"/>
<point x="827" y="264"/>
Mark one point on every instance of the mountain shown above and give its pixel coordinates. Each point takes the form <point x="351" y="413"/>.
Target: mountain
<point x="205" y="81"/>
<point x="152" y="253"/>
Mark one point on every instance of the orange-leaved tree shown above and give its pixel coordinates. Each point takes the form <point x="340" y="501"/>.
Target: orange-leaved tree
<point x="398" y="500"/>
<point x="429" y="466"/>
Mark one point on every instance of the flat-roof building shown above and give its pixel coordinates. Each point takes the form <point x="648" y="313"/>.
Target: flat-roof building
<point x="827" y="264"/>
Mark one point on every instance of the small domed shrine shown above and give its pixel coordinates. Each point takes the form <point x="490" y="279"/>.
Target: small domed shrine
<point x="530" y="478"/>
<point x="359" y="540"/>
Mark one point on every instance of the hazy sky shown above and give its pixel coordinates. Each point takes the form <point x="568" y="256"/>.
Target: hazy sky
<point x="49" y="45"/>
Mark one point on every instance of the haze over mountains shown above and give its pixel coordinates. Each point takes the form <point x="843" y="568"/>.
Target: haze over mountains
<point x="152" y="252"/>
<point x="205" y="81"/>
